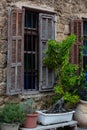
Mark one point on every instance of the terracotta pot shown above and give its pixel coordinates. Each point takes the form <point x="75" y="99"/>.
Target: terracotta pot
<point x="80" y="114"/>
<point x="31" y="120"/>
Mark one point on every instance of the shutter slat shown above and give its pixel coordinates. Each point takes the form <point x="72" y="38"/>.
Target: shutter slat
<point x="15" y="51"/>
<point x="76" y="28"/>
<point x="47" y="26"/>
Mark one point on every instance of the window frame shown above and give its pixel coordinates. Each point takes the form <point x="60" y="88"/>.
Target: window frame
<point x="9" y="92"/>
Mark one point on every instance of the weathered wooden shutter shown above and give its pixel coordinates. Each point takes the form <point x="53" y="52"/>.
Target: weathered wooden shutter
<point x="47" y="32"/>
<point x="15" y="51"/>
<point x="76" y="28"/>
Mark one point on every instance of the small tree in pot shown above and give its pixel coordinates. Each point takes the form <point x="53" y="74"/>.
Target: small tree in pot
<point x="57" y="58"/>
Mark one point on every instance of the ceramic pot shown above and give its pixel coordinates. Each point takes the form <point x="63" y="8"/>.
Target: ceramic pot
<point x="80" y="114"/>
<point x="31" y="120"/>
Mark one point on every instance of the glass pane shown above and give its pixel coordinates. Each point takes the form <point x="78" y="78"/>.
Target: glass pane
<point x="85" y="47"/>
<point x="34" y="21"/>
<point x="28" y="19"/>
<point x="29" y="80"/>
<point x="85" y="62"/>
<point x="29" y="61"/>
<point x="85" y="28"/>
<point x="34" y="42"/>
<point x="27" y="42"/>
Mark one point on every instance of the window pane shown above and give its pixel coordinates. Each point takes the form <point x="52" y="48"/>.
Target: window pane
<point x="27" y="42"/>
<point x="27" y="19"/>
<point x="85" y="47"/>
<point x="29" y="80"/>
<point x="85" y="62"/>
<point x="85" y="27"/>
<point x="30" y="20"/>
<point x="34" y="20"/>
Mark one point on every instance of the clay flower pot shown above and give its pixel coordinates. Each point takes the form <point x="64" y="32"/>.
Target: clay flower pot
<point x="80" y="114"/>
<point x="31" y="120"/>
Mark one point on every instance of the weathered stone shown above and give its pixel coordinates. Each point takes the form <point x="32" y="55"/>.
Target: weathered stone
<point x="4" y="75"/>
<point x="3" y="59"/>
<point x="1" y="101"/>
<point x="60" y="28"/>
<point x="66" y="30"/>
<point x="3" y="46"/>
<point x="2" y="88"/>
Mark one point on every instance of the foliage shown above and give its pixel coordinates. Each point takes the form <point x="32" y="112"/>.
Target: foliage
<point x="58" y="53"/>
<point x="71" y="99"/>
<point x="83" y="74"/>
<point x="28" y="106"/>
<point x="57" y="58"/>
<point x="12" y="113"/>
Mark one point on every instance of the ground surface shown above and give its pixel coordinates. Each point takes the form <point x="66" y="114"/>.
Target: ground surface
<point x="81" y="128"/>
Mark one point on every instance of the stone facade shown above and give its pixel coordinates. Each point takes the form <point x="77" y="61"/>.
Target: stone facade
<point x="65" y="10"/>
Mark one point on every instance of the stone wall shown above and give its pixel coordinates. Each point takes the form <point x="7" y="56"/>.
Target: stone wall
<point x="65" y="10"/>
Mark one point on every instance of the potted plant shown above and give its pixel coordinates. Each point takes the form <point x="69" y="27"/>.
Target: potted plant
<point x="31" y="114"/>
<point x="57" y="58"/>
<point x="11" y="116"/>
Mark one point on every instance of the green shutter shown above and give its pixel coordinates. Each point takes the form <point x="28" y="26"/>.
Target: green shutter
<point x="76" y="28"/>
<point x="15" y="51"/>
<point x="47" y="32"/>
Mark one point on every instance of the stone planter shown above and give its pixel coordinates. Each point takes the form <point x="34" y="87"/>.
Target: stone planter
<point x="80" y="114"/>
<point x="46" y="119"/>
<point x="6" y="126"/>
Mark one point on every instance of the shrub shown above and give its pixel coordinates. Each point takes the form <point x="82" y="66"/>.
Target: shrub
<point x="12" y="113"/>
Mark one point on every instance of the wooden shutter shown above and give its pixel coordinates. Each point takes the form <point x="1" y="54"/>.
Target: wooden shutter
<point x="76" y="28"/>
<point x="47" y="31"/>
<point x="15" y="51"/>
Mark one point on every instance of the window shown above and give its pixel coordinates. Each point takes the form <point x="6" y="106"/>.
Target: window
<point x="76" y="28"/>
<point x="28" y="33"/>
<point x="31" y="67"/>
<point x="79" y="28"/>
<point x="85" y="43"/>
